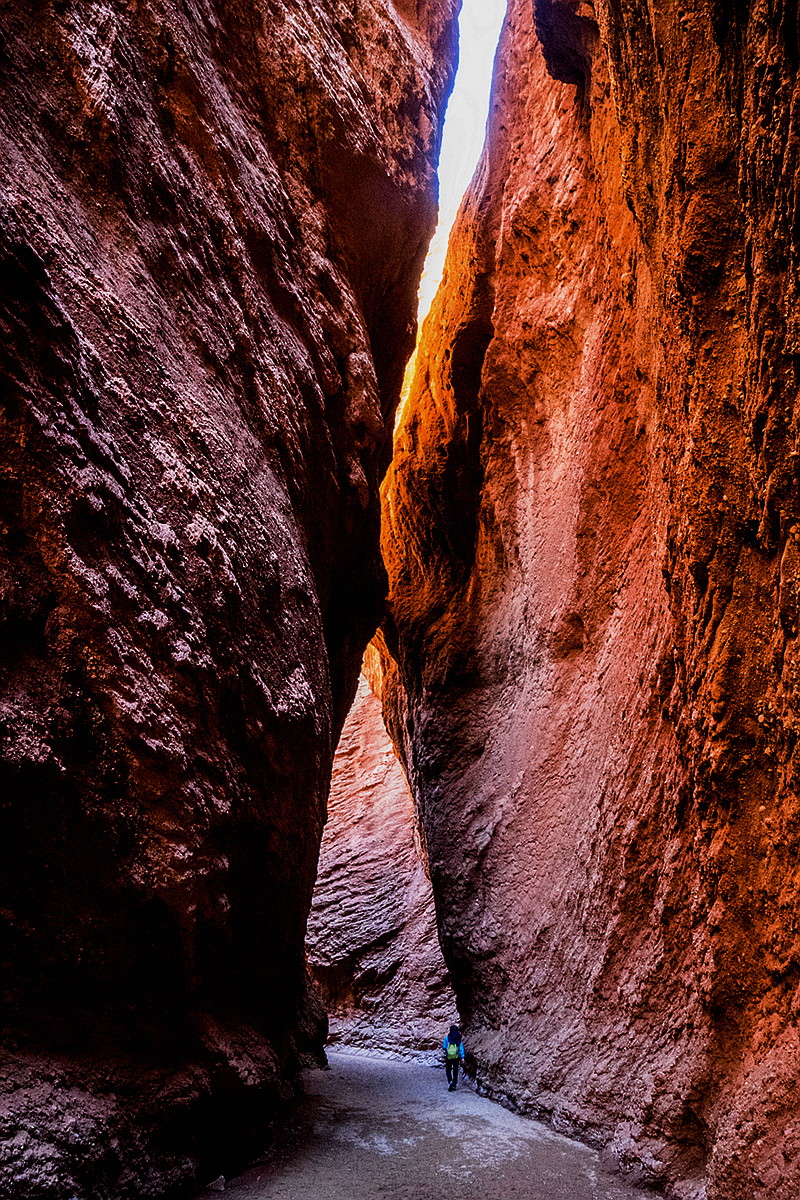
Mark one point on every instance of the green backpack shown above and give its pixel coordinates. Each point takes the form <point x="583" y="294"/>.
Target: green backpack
<point x="452" y="1050"/>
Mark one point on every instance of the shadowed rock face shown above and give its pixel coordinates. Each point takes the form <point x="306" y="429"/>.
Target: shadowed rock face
<point x="212" y="226"/>
<point x="372" y="944"/>
<point x="591" y="528"/>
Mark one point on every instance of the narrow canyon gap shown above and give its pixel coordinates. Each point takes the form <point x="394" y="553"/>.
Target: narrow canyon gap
<point x="372" y="942"/>
<point x="213" y="221"/>
<point x="591" y="527"/>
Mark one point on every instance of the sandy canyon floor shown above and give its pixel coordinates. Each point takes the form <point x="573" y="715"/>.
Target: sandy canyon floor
<point x="379" y="1128"/>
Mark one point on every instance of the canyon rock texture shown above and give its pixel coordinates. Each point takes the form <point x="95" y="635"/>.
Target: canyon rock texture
<point x="372" y="944"/>
<point x="592" y="532"/>
<point x="213" y="221"/>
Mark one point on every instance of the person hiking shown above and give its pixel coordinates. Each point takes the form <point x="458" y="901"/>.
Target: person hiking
<point x="453" y="1048"/>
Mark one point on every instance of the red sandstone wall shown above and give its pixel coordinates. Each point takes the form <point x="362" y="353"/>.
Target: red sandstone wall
<point x="372" y="944"/>
<point x="212" y="224"/>
<point x="591" y="534"/>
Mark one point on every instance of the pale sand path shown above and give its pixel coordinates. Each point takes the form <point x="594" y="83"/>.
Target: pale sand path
<point x="372" y="1129"/>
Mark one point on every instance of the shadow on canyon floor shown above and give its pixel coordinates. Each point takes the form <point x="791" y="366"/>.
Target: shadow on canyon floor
<point x="377" y="1128"/>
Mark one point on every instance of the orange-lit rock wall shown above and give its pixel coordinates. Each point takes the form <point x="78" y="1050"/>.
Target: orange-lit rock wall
<point x="592" y="525"/>
<point x="212" y="225"/>
<point x="372" y="945"/>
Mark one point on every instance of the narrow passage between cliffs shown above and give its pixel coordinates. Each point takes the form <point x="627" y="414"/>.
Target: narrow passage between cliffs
<point x="370" y="1127"/>
<point x="372" y="944"/>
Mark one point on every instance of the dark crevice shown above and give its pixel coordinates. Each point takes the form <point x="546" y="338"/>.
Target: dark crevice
<point x="567" y="39"/>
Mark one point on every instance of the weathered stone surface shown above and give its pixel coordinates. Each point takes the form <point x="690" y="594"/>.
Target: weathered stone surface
<point x="591" y="533"/>
<point x="372" y="944"/>
<point x="213" y="221"/>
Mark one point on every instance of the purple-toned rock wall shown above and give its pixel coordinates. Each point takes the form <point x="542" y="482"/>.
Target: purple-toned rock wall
<point x="212" y="223"/>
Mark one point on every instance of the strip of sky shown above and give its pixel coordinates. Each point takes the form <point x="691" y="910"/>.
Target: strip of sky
<point x="464" y="128"/>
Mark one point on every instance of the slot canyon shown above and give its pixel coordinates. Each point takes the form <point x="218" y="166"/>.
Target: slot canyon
<point x="574" y="568"/>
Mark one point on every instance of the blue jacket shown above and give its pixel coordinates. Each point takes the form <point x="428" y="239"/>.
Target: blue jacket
<point x="460" y="1047"/>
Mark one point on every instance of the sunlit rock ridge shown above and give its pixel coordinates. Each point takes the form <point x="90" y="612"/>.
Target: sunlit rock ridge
<point x="592" y="532"/>
<point x="213" y="222"/>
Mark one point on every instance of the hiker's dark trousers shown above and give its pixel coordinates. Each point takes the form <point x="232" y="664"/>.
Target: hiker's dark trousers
<point x="451" y="1066"/>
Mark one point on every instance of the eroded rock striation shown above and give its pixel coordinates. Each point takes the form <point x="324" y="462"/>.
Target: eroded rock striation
<point x="592" y="531"/>
<point x="213" y="223"/>
<point x="372" y="944"/>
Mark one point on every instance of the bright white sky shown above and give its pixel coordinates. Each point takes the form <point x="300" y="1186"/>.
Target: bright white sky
<point x="464" y="128"/>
